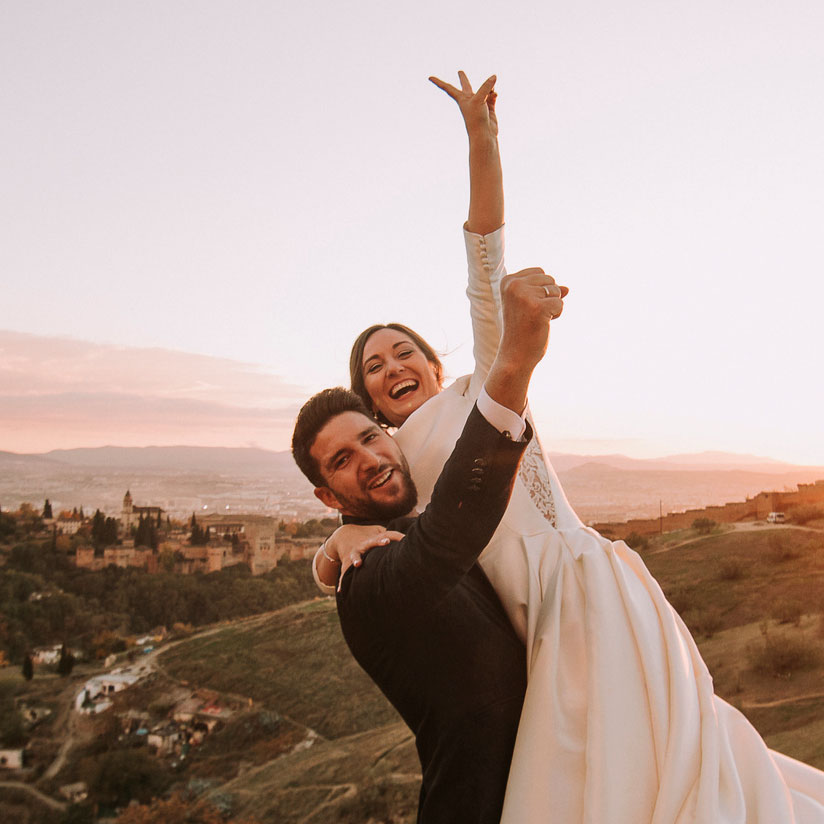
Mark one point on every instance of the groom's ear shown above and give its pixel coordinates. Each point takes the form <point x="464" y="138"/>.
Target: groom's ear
<point x="327" y="497"/>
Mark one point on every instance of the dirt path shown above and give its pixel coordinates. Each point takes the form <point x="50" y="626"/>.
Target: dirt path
<point x="65" y="747"/>
<point x="42" y="797"/>
<point x="744" y="526"/>
<point x="779" y="702"/>
<point x="145" y="665"/>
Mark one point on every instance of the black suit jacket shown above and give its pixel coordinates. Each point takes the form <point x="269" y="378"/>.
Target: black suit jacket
<point x="424" y="622"/>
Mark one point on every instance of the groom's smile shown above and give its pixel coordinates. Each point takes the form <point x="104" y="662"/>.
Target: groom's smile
<point x="365" y="471"/>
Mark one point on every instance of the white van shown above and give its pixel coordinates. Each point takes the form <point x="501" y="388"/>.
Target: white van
<point x="776" y="518"/>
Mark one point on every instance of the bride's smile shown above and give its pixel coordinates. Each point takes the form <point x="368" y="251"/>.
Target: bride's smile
<point x="397" y="375"/>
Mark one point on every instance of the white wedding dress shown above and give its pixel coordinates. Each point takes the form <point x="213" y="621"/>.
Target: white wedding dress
<point x="620" y="724"/>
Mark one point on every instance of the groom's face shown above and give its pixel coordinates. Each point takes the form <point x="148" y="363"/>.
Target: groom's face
<point x="365" y="472"/>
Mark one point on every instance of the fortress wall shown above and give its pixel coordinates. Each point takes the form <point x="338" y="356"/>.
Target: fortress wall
<point x="756" y="508"/>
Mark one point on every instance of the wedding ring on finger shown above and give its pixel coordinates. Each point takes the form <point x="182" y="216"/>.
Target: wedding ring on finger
<point x="546" y="291"/>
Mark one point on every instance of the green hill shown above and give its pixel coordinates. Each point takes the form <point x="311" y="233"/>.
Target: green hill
<point x="308" y="738"/>
<point x="752" y="598"/>
<point x="362" y="761"/>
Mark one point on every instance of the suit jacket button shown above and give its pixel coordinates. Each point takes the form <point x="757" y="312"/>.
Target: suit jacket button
<point x="481" y="462"/>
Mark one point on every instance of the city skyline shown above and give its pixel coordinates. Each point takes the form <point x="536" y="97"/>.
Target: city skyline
<point x="203" y="208"/>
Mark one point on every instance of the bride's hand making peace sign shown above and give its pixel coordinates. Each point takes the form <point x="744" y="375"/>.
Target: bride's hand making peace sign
<point x="477" y="108"/>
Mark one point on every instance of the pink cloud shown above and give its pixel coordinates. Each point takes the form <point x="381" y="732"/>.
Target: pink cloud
<point x="63" y="393"/>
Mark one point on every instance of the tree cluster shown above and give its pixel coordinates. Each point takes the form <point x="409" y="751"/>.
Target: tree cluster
<point x="314" y="528"/>
<point x="147" y="532"/>
<point x="83" y="604"/>
<point x="704" y="526"/>
<point x="12" y="733"/>
<point x="104" y="530"/>
<point x="198" y="536"/>
<point x="8" y="526"/>
<point x="177" y="810"/>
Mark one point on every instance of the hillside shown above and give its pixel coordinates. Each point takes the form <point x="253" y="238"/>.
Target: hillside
<point x="728" y="586"/>
<point x="307" y="738"/>
<point x="753" y="600"/>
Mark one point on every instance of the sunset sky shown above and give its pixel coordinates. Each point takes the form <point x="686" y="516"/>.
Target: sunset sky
<point x="204" y="202"/>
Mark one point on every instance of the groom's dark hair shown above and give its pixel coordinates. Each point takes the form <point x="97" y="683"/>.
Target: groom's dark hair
<point x="313" y="416"/>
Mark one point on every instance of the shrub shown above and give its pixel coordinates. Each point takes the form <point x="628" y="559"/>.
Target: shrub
<point x="808" y="512"/>
<point x="782" y="655"/>
<point x="636" y="541"/>
<point x="731" y="569"/>
<point x="703" y="526"/>
<point x="778" y="549"/>
<point x="704" y="621"/>
<point x="176" y="810"/>
<point x="681" y="599"/>
<point x="123" y="775"/>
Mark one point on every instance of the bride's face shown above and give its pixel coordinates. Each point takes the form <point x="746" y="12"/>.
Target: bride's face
<point x="397" y="375"/>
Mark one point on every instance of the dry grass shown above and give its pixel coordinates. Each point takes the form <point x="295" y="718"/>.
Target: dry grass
<point x="783" y="655"/>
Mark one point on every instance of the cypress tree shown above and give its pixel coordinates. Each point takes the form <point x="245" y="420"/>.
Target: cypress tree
<point x="66" y="662"/>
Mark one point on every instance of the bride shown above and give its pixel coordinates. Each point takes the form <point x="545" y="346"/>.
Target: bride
<point x="620" y="723"/>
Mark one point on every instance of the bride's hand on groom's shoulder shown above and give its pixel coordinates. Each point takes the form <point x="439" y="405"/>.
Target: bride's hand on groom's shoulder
<point x="477" y="108"/>
<point x="350" y="542"/>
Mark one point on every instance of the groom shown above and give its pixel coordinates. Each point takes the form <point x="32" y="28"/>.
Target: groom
<point x="419" y="615"/>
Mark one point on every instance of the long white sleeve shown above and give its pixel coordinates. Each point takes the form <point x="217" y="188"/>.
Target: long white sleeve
<point x="485" y="264"/>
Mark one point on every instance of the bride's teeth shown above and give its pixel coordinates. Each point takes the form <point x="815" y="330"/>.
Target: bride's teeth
<point x="395" y="391"/>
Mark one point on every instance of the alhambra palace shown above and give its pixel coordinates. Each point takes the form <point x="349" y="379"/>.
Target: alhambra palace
<point x="236" y="539"/>
<point x="752" y="509"/>
<point x="251" y="539"/>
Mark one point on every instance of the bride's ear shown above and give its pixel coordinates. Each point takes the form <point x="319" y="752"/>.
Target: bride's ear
<point x="327" y="497"/>
<point x="437" y="371"/>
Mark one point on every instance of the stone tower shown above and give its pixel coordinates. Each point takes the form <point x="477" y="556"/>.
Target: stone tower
<point x="127" y="513"/>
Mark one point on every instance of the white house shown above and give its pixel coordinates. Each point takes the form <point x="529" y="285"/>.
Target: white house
<point x="11" y="759"/>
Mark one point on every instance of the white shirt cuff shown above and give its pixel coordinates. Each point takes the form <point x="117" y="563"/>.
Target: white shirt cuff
<point x="501" y="417"/>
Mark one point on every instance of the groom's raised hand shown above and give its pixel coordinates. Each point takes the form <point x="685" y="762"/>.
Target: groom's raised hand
<point x="530" y="299"/>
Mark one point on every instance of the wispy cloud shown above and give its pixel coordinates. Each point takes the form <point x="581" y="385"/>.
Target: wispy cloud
<point x="62" y="393"/>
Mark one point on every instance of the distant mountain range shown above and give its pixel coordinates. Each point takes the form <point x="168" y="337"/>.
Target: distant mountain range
<point x="698" y="461"/>
<point x="250" y="459"/>
<point x="185" y="478"/>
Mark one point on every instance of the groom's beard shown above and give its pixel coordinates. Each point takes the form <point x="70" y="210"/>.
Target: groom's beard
<point x="368" y="505"/>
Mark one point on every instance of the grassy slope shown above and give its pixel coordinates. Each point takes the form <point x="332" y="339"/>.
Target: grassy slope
<point x="297" y="664"/>
<point x="732" y="589"/>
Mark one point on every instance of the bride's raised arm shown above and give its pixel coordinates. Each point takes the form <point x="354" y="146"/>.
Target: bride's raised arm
<point x="483" y="233"/>
<point x="483" y="230"/>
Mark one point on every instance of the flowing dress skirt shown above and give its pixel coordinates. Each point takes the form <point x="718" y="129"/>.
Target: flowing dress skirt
<point x="620" y="723"/>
